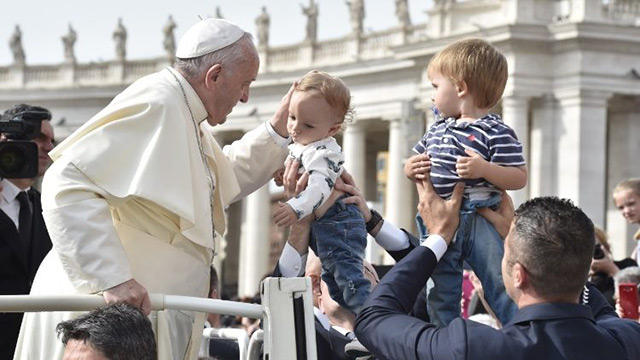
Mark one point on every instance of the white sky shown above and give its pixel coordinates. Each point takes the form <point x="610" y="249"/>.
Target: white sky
<point x="44" y="22"/>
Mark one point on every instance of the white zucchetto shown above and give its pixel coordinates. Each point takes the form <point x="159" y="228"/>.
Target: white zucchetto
<point x="207" y="36"/>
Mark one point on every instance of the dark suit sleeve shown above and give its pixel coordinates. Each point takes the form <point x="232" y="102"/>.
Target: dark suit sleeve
<point x="419" y="309"/>
<point x="600" y="307"/>
<point x="383" y="325"/>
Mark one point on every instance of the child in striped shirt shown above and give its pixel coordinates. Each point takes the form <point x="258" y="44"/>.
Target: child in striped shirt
<point x="467" y="143"/>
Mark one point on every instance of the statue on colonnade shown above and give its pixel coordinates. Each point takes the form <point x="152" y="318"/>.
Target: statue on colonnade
<point x="15" y="43"/>
<point x="169" y="41"/>
<point x="312" y="20"/>
<point x="356" y="11"/>
<point x="402" y="13"/>
<point x="262" y="25"/>
<point x="68" y="41"/>
<point x="120" y="37"/>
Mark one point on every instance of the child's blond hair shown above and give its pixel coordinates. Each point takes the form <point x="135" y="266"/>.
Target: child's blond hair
<point x="334" y="91"/>
<point x="629" y="184"/>
<point x="632" y="184"/>
<point x="481" y="66"/>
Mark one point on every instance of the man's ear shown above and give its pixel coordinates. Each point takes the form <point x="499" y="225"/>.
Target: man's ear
<point x="315" y="284"/>
<point x="462" y="88"/>
<point x="520" y="276"/>
<point x="212" y="75"/>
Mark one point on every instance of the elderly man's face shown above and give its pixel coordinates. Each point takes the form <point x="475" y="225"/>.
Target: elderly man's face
<point x="232" y="86"/>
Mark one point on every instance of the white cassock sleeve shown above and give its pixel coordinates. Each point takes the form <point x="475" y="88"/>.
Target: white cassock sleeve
<point x="79" y="221"/>
<point x="254" y="158"/>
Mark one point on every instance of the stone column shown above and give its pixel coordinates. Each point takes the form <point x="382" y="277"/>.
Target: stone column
<point x="353" y="147"/>
<point x="399" y="207"/>
<point x="624" y="147"/>
<point x="542" y="148"/>
<point x="515" y="114"/>
<point x="581" y="165"/>
<point x="254" y="243"/>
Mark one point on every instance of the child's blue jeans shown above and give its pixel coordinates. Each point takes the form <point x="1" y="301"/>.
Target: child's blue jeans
<point x="339" y="239"/>
<point x="478" y="243"/>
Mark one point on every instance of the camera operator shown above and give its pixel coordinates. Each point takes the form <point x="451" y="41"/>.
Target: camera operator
<point x="604" y="268"/>
<point x="24" y="240"/>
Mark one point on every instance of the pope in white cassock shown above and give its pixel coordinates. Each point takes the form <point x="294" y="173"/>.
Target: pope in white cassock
<point x="135" y="197"/>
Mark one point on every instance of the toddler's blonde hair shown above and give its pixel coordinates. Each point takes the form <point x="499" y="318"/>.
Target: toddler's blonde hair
<point x="481" y="66"/>
<point x="334" y="91"/>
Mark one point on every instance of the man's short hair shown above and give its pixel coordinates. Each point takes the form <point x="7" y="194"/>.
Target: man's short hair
<point x="479" y="64"/>
<point x="22" y="108"/>
<point x="118" y="331"/>
<point x="554" y="241"/>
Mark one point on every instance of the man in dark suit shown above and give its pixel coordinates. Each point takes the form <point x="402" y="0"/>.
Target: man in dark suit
<point x="24" y="240"/>
<point x="548" y="252"/>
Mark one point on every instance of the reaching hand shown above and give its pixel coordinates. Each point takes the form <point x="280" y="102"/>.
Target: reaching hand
<point x="346" y="183"/>
<point x="472" y="166"/>
<point x="417" y="167"/>
<point x="284" y="215"/>
<point x="278" y="177"/>
<point x="501" y="218"/>
<point x="279" y="119"/>
<point x="130" y="292"/>
<point x="441" y="216"/>
<point x="293" y="182"/>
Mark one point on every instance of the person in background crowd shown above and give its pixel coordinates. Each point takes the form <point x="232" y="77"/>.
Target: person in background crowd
<point x="24" y="240"/>
<point x="604" y="268"/>
<point x="626" y="197"/>
<point x="630" y="275"/>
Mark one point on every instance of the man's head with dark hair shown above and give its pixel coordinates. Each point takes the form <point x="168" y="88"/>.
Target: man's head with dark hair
<point x="45" y="140"/>
<point x="549" y="248"/>
<point x="115" y="332"/>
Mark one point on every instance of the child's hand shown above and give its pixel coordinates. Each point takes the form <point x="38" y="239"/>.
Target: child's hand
<point x="284" y="215"/>
<point x="417" y="167"/>
<point x="472" y="166"/>
<point x="278" y="177"/>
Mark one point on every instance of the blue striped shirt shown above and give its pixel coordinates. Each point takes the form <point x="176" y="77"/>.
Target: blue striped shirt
<point x="446" y="140"/>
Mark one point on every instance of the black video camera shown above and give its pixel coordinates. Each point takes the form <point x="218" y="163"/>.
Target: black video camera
<point x="18" y="154"/>
<point x="598" y="253"/>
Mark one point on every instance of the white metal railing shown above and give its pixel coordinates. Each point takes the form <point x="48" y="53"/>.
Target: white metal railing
<point x="255" y="344"/>
<point x="281" y="337"/>
<point x="40" y="303"/>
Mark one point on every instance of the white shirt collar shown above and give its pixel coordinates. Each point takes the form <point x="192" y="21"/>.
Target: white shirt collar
<point x="10" y="191"/>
